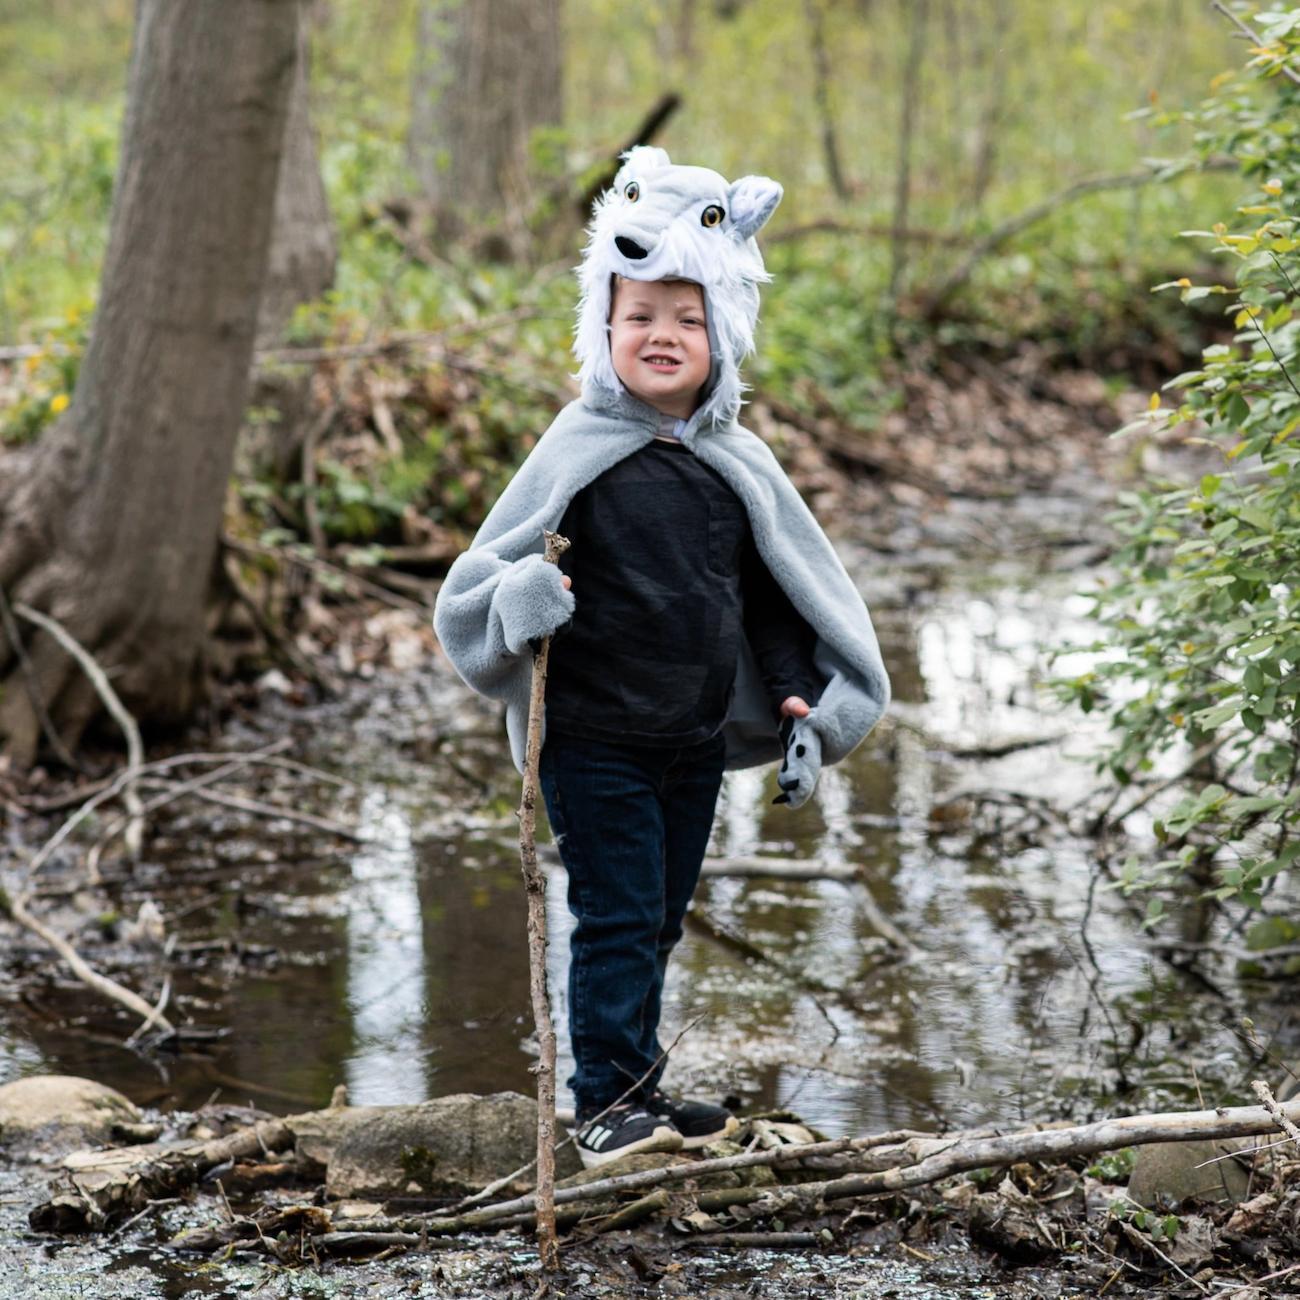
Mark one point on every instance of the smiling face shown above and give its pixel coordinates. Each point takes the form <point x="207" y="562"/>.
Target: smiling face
<point x="659" y="343"/>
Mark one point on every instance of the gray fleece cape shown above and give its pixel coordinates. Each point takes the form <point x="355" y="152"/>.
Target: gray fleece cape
<point x="660" y="221"/>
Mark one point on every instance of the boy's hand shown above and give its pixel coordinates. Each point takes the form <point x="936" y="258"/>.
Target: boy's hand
<point x="568" y="581"/>
<point x="803" y="753"/>
<point x="532" y="601"/>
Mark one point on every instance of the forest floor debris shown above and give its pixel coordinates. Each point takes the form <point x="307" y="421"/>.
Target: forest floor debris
<point x="237" y="1185"/>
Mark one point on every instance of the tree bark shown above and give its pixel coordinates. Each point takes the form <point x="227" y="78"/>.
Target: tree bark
<point x="822" y="98"/>
<point x="487" y="77"/>
<point x="994" y="64"/>
<point x="110" y="522"/>
<point x="303" y="249"/>
<point x="917" y="13"/>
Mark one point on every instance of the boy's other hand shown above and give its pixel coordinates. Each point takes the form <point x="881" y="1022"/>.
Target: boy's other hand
<point x="795" y="707"/>
<point x="568" y="582"/>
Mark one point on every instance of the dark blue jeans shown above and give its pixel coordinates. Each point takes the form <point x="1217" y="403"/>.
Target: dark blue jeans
<point x="631" y="824"/>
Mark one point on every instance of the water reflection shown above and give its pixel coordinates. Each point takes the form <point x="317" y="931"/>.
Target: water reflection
<point x="385" y="963"/>
<point x="405" y="966"/>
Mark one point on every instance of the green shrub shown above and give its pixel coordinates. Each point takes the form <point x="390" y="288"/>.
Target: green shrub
<point x="1201" y="650"/>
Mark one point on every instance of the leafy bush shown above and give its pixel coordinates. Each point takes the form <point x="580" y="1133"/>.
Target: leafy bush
<point x="1202" y="625"/>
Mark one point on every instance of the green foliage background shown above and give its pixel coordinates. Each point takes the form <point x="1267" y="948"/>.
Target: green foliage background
<point x="1202" y="627"/>
<point x="1062" y="78"/>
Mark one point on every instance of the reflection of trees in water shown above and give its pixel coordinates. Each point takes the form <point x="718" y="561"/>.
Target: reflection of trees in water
<point x="385" y="962"/>
<point x="293" y="1027"/>
<point x="475" y="972"/>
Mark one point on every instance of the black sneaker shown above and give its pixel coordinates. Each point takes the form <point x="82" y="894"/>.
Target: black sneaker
<point x="626" y="1130"/>
<point x="699" y="1122"/>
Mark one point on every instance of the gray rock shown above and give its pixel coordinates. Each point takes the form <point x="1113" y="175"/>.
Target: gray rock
<point x="1167" y="1171"/>
<point x="444" y="1147"/>
<point x="50" y="1114"/>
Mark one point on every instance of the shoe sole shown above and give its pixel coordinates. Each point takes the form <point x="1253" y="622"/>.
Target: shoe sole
<point x="663" y="1138"/>
<point x="703" y="1139"/>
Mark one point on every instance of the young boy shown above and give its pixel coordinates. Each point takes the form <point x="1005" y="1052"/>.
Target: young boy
<point x="701" y="619"/>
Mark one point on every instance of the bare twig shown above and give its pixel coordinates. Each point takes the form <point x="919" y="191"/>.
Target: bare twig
<point x="311" y="507"/>
<point x="260" y="809"/>
<point x="1011" y="227"/>
<point x="1287" y="1125"/>
<point x="535" y="888"/>
<point x="10" y="629"/>
<point x="1247" y="33"/>
<point x="155" y="1015"/>
<point x="98" y="678"/>
<point x="109" y="988"/>
<point x="315" y="562"/>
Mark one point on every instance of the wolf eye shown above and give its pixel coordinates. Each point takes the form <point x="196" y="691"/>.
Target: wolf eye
<point x="712" y="215"/>
<point x="631" y="191"/>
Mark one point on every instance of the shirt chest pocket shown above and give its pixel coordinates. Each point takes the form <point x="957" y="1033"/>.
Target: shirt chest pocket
<point x="728" y="528"/>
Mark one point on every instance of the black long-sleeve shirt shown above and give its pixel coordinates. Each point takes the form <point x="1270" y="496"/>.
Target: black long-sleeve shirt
<point x="667" y="580"/>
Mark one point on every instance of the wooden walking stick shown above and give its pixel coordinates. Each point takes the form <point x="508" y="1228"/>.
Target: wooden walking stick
<point x="535" y="888"/>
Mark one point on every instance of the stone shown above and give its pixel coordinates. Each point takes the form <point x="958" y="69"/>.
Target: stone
<point x="445" y="1147"/>
<point x="47" y="1115"/>
<point x="1167" y="1172"/>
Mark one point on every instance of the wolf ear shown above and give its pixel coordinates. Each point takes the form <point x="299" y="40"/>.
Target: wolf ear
<point x="639" y="158"/>
<point x="750" y="201"/>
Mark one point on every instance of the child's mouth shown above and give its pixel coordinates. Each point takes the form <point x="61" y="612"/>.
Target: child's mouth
<point x="662" y="363"/>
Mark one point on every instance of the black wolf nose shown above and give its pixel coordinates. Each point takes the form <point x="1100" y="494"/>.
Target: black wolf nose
<point x="629" y="248"/>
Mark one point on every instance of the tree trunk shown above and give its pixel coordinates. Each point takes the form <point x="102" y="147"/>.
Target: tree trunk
<point x="110" y="522"/>
<point x="487" y="76"/>
<point x="916" y="13"/>
<point x="822" y="98"/>
<point x="995" y="50"/>
<point x="303" y="251"/>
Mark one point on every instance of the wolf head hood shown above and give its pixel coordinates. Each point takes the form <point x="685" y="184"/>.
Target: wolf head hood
<point x="661" y="221"/>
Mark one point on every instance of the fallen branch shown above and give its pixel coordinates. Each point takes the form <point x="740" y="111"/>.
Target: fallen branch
<point x="756" y="1240"/>
<point x="10" y="629"/>
<point x="260" y="809"/>
<point x="646" y="130"/>
<point x="358" y="584"/>
<point x="1035" y="213"/>
<point x="109" y="988"/>
<point x="520" y="1209"/>
<point x="894" y="1164"/>
<point x="99" y="680"/>
<point x="104" y="1187"/>
<point x="1265" y="1094"/>
<point x="938" y="1159"/>
<point x="175" y="792"/>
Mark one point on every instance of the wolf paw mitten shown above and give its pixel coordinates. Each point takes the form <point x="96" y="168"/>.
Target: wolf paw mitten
<point x="532" y="602"/>
<point x="803" y="760"/>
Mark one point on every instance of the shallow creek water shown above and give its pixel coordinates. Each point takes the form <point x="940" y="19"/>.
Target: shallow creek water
<point x="399" y="967"/>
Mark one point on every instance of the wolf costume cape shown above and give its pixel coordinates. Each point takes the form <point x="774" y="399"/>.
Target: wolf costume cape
<point x="661" y="221"/>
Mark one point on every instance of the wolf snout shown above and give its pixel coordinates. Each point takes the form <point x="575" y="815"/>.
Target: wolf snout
<point x="630" y="248"/>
